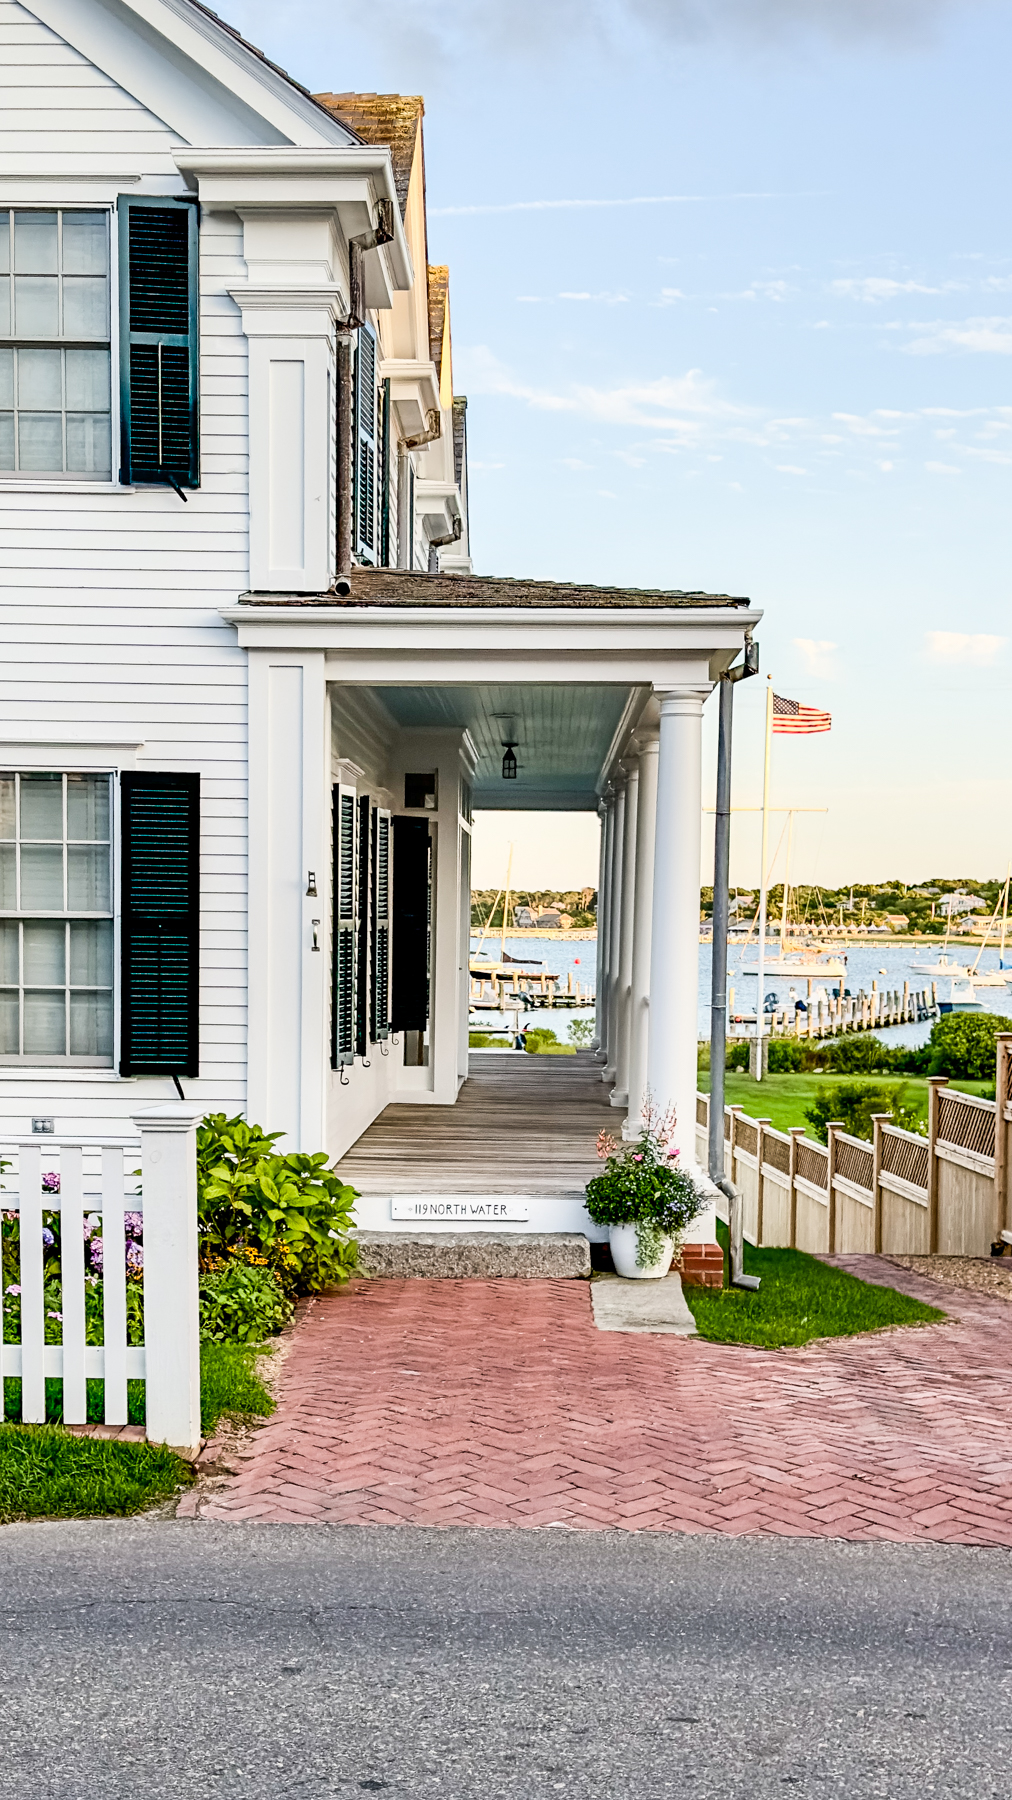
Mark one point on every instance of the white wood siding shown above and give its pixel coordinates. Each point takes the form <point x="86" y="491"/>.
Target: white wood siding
<point x="110" y="598"/>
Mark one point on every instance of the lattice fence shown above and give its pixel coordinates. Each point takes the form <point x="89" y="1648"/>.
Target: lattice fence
<point x="702" y="1110"/>
<point x="746" y="1136"/>
<point x="854" y="1161"/>
<point x="812" y="1163"/>
<point x="966" y="1123"/>
<point x="905" y="1155"/>
<point x="777" y="1150"/>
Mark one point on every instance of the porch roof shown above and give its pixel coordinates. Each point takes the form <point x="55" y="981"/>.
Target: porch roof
<point x="410" y="587"/>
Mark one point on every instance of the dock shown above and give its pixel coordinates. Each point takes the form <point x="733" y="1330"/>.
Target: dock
<point x="834" y="1015"/>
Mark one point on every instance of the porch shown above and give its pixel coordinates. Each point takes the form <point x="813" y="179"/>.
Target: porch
<point x="521" y="1125"/>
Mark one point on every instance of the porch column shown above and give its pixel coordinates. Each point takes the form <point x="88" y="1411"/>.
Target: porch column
<point x="604" y="922"/>
<point x="620" y="1092"/>
<point x="615" y="926"/>
<point x="639" y="998"/>
<point x="674" y="957"/>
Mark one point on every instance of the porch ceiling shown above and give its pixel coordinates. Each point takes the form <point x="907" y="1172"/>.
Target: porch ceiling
<point x="562" y="735"/>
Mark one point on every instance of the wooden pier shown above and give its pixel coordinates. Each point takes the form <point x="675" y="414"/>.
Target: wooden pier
<point x="501" y="989"/>
<point x="834" y="1015"/>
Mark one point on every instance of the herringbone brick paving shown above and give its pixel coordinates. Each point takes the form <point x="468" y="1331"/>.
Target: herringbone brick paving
<point x="499" y="1403"/>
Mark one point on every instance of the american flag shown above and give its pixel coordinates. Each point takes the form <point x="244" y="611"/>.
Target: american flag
<point x="791" y="716"/>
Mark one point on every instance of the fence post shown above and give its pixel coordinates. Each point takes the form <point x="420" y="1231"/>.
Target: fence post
<point x="171" y="1321"/>
<point x="760" y="1133"/>
<point x="935" y="1086"/>
<point x="877" y="1122"/>
<point x="1003" y="1045"/>
<point x="832" y="1127"/>
<point x="734" y="1111"/>
<point x="797" y="1131"/>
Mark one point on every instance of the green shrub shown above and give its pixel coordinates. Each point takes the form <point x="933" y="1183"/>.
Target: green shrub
<point x="738" y="1054"/>
<point x="540" y="1041"/>
<point x="786" y="1056"/>
<point x="854" y="1102"/>
<point x="581" y="1032"/>
<point x="962" y="1045"/>
<point x="292" y="1209"/>
<point x="243" y="1303"/>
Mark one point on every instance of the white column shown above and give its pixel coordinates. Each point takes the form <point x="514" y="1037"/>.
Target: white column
<point x="289" y="835"/>
<point x="602" y="814"/>
<point x="604" y="924"/>
<point x="620" y="1092"/>
<point x="171" y="1298"/>
<point x="639" y="999"/>
<point x="615" y="928"/>
<point x="674" y="959"/>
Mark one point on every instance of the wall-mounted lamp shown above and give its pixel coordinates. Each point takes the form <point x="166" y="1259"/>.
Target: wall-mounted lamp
<point x="509" y="764"/>
<point x="311" y="886"/>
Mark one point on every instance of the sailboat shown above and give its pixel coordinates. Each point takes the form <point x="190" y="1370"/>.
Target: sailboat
<point x="811" y="963"/>
<point x="963" y="972"/>
<point x="506" y="964"/>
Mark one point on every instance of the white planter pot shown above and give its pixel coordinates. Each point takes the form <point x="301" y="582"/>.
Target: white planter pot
<point x="622" y="1239"/>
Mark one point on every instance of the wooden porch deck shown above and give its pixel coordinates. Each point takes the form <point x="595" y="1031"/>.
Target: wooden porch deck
<point x="521" y="1124"/>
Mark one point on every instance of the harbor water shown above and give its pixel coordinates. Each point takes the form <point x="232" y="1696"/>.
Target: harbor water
<point x="888" y="963"/>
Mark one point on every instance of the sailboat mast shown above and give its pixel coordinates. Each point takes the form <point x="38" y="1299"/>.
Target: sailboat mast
<point x="506" y="906"/>
<point x="1004" y="918"/>
<point x="787" y="879"/>
<point x="761" y="971"/>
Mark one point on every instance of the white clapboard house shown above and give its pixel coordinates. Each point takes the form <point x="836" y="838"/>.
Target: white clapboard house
<point x="252" y="689"/>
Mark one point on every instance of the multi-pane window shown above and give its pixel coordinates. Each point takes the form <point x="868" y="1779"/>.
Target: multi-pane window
<point x="56" y="927"/>
<point x="54" y="343"/>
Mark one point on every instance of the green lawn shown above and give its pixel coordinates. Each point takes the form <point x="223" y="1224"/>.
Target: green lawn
<point x="46" y="1472"/>
<point x="785" y="1098"/>
<point x="800" y="1299"/>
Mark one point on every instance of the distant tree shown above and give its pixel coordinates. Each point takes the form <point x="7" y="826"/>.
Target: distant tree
<point x="854" y="1102"/>
<point x="962" y="1045"/>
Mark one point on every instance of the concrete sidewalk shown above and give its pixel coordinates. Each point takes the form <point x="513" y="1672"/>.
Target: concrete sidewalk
<point x="499" y="1403"/>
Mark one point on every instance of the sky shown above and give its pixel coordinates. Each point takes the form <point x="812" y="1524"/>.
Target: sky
<point x="731" y="290"/>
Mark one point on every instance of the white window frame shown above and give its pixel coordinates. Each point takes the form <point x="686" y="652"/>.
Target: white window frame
<point x="18" y="481"/>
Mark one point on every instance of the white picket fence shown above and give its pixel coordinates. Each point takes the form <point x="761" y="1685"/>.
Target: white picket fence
<point x="98" y="1178"/>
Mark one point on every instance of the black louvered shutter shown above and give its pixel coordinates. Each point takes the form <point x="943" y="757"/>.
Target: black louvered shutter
<point x="363" y="932"/>
<point x="160" y="935"/>
<point x="158" y="342"/>
<point x="365" y="447"/>
<point x="410" y="986"/>
<point x="342" y="1014"/>
<point x="380" y="1008"/>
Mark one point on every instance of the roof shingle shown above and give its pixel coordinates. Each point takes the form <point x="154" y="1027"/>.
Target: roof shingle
<point x="409" y="587"/>
<point x="382" y="119"/>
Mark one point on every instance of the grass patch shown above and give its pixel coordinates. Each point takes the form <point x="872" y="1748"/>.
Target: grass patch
<point x="800" y="1299"/>
<point x="784" y="1099"/>
<point x="45" y="1473"/>
<point x="230" y="1386"/>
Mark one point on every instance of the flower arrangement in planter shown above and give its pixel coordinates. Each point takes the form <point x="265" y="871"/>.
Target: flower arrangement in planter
<point x="643" y="1197"/>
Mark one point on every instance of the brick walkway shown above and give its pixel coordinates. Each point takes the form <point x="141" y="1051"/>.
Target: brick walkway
<point x="498" y="1403"/>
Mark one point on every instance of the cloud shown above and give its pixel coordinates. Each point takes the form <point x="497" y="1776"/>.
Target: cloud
<point x="817" y="655"/>
<point x="521" y="206"/>
<point x="985" y="336"/>
<point x="790" y="469"/>
<point x="871" y="288"/>
<point x="977" y="650"/>
<point x="684" y="405"/>
<point x="940" y="468"/>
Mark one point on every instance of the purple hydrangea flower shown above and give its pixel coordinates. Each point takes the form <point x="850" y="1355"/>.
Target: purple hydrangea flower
<point x="13" y="1290"/>
<point x="133" y="1223"/>
<point x="51" y="1183"/>
<point x="95" y="1252"/>
<point x="134" y="1256"/>
<point x="47" y="1236"/>
<point x="92" y="1224"/>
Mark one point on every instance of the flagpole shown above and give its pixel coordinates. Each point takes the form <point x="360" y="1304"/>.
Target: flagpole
<point x="761" y="973"/>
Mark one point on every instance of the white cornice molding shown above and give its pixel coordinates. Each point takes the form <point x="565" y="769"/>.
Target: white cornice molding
<point x="345" y="180"/>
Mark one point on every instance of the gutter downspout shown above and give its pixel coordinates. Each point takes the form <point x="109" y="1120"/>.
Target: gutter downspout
<point x="718" y="989"/>
<point x="450" y="537"/>
<point x="367" y="240"/>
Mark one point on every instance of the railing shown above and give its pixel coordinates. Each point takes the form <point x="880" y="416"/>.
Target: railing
<point x="949" y="1193"/>
<point x="966" y="1123"/>
<point x="103" y="1240"/>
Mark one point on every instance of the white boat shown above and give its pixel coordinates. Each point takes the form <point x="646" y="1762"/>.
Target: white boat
<point x="943" y="965"/>
<point x="812" y="968"/>
<point x="962" y="998"/>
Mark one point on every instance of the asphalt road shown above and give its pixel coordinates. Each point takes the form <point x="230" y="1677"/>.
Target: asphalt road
<point x="156" y="1658"/>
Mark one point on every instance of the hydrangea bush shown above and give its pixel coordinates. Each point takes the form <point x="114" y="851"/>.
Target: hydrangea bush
<point x="642" y="1185"/>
